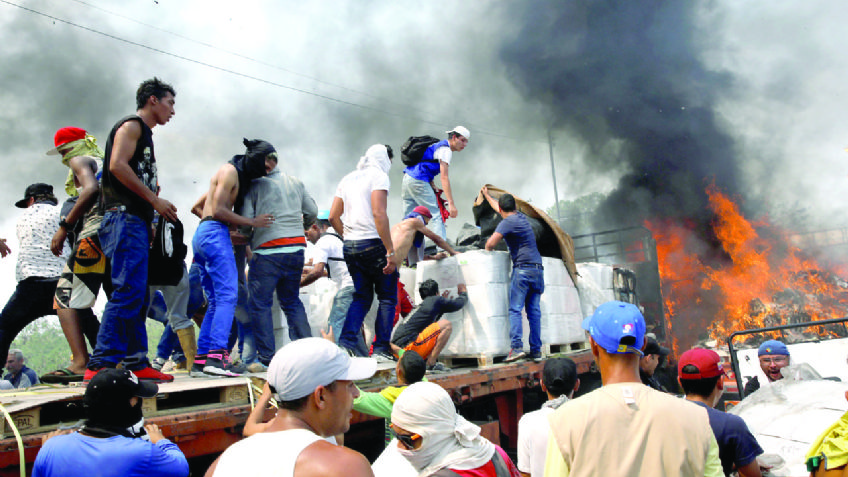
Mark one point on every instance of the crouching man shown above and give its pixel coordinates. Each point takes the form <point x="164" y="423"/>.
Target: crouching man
<point x="426" y="332"/>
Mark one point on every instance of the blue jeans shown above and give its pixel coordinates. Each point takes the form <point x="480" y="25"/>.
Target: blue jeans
<point x="169" y="345"/>
<point x="195" y="296"/>
<point x="125" y="239"/>
<point x="280" y="272"/>
<point x="525" y="290"/>
<point x="415" y="193"/>
<point x="338" y="313"/>
<point x="243" y="331"/>
<point x="365" y="261"/>
<point x="213" y="252"/>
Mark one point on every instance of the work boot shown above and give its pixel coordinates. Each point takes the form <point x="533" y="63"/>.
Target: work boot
<point x="189" y="344"/>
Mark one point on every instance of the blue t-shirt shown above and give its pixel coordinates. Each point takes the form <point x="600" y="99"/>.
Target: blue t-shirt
<point x="520" y="239"/>
<point x="16" y="379"/>
<point x="118" y="456"/>
<point x="736" y="444"/>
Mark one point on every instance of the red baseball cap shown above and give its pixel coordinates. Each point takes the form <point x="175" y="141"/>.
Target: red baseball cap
<point x="423" y="211"/>
<point x="64" y="136"/>
<point x="707" y="361"/>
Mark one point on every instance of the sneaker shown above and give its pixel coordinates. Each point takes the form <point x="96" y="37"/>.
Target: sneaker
<point x="216" y="366"/>
<point x="383" y="357"/>
<point x="158" y="363"/>
<point x="89" y="373"/>
<point x="197" y="368"/>
<point x="515" y="355"/>
<point x="437" y="368"/>
<point x="349" y="352"/>
<point x="537" y="356"/>
<point x="149" y="374"/>
<point x="257" y="367"/>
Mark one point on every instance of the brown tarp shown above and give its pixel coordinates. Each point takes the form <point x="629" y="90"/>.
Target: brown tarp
<point x="563" y="240"/>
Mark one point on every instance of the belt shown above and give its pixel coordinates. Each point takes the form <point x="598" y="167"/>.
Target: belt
<point x="530" y="265"/>
<point x="116" y="208"/>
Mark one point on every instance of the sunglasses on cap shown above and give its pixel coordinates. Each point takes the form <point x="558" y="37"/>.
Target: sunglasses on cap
<point x="407" y="440"/>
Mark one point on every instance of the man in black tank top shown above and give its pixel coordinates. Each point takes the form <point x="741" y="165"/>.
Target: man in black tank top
<point x="129" y="197"/>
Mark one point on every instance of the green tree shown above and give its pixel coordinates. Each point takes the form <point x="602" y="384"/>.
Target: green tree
<point x="45" y="348"/>
<point x="577" y="215"/>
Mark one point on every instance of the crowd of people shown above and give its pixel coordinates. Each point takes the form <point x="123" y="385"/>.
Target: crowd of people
<point x="253" y="211"/>
<point x="624" y="427"/>
<point x="106" y="235"/>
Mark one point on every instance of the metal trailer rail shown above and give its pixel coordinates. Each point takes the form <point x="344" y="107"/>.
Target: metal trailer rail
<point x="734" y="363"/>
<point x="211" y="428"/>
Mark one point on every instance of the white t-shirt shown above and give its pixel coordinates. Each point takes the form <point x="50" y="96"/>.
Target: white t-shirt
<point x="328" y="250"/>
<point x="443" y="154"/>
<point x="533" y="433"/>
<point x="355" y="191"/>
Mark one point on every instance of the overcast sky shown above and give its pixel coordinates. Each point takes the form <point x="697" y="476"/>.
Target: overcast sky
<point x="322" y="81"/>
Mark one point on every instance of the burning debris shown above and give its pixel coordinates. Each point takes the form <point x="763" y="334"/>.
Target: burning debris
<point x="758" y="280"/>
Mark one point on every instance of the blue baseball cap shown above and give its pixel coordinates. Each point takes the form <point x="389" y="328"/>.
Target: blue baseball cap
<point x="613" y="321"/>
<point x="324" y="214"/>
<point x="773" y="347"/>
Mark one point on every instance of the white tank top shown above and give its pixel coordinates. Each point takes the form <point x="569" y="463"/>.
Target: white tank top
<point x="266" y="453"/>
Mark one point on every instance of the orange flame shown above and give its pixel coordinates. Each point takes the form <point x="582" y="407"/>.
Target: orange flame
<point x="760" y="280"/>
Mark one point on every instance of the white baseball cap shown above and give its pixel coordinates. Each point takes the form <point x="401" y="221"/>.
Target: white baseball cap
<point x="462" y="131"/>
<point x="302" y="365"/>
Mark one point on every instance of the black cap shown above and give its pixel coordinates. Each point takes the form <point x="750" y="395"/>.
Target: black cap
<point x="34" y="190"/>
<point x="110" y="385"/>
<point x="559" y="376"/>
<point x="653" y="347"/>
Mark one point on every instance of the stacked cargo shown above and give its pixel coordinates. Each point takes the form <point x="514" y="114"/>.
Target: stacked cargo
<point x="482" y="326"/>
<point x="599" y="283"/>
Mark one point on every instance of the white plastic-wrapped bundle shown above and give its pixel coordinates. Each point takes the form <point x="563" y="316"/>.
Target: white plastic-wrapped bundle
<point x="561" y="317"/>
<point x="407" y="277"/>
<point x="595" y="285"/>
<point x="600" y="273"/>
<point x="482" y="326"/>
<point x="317" y="299"/>
<point x="479" y="267"/>
<point x="556" y="273"/>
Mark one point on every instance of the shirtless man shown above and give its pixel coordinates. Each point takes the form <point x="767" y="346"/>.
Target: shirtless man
<point x="408" y="237"/>
<point x="213" y="252"/>
<point x="79" y="283"/>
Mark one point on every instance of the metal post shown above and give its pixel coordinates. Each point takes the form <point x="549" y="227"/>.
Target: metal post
<point x="553" y="176"/>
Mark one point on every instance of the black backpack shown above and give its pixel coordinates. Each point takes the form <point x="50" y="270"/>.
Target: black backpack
<point x="413" y="149"/>
<point x="167" y="254"/>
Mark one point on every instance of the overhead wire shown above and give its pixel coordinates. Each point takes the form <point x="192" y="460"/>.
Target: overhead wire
<point x="252" y="77"/>
<point x="245" y="57"/>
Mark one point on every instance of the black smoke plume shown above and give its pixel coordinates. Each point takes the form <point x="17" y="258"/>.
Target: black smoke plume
<point x="626" y="78"/>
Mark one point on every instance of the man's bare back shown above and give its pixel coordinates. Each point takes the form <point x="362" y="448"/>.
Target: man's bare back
<point x="223" y="191"/>
<point x="403" y="234"/>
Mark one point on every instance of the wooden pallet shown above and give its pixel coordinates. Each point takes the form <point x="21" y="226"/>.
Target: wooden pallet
<point x="46" y="407"/>
<point x="472" y="360"/>
<point x="568" y="348"/>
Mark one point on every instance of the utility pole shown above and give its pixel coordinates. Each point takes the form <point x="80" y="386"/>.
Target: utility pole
<point x="553" y="176"/>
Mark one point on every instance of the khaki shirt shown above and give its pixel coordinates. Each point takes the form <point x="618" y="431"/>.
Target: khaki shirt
<point x="628" y="429"/>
